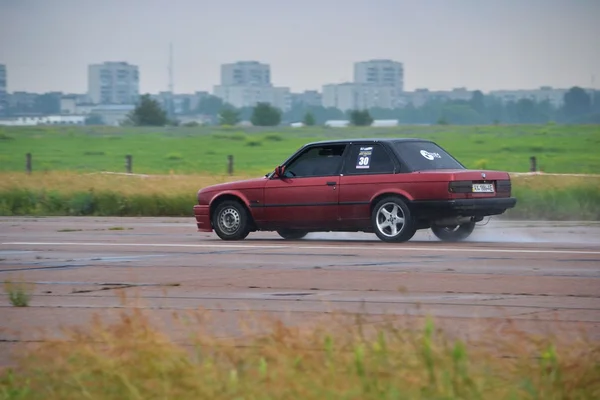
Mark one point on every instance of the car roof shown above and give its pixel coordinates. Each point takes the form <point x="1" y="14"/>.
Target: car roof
<point x="367" y="140"/>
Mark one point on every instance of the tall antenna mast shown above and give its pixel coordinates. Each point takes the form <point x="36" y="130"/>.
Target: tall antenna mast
<point x="171" y="106"/>
<point x="592" y="90"/>
<point x="171" y="68"/>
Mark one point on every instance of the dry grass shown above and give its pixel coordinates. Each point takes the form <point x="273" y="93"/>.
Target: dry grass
<point x="122" y="183"/>
<point x="555" y="182"/>
<point x="170" y="184"/>
<point x="66" y="193"/>
<point x="132" y="358"/>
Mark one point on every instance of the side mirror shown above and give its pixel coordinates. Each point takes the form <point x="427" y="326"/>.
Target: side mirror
<point x="279" y="171"/>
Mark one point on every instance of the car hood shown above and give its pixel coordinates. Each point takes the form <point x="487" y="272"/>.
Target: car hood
<point x="236" y="185"/>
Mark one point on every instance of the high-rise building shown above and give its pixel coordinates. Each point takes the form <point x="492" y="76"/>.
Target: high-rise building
<point x="3" y="95"/>
<point x="113" y="83"/>
<point x="246" y="73"/>
<point x="246" y="83"/>
<point x="380" y="72"/>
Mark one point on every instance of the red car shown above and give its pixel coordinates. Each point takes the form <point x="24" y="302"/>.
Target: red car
<point x="392" y="187"/>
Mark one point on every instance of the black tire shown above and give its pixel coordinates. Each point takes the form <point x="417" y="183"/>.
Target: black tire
<point x="453" y="233"/>
<point x="230" y="220"/>
<point x="395" y="207"/>
<point x="291" y="234"/>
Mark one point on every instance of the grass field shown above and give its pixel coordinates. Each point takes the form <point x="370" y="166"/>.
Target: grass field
<point x="558" y="148"/>
<point x="70" y="193"/>
<point x="133" y="359"/>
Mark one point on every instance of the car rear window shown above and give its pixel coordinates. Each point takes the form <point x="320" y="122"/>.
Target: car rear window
<point x="422" y="156"/>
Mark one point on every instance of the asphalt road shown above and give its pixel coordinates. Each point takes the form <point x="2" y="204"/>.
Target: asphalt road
<point x="545" y="276"/>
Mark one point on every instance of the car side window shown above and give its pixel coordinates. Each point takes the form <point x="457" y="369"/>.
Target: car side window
<point x="366" y="159"/>
<point x="316" y="161"/>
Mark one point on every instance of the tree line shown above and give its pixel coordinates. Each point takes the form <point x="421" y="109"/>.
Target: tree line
<point x="578" y="106"/>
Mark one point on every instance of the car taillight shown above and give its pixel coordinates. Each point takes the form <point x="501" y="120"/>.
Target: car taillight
<point x="460" y="186"/>
<point x="504" y="186"/>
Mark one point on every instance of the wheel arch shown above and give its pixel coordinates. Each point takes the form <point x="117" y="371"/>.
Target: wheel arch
<point x="403" y="196"/>
<point x="221" y="197"/>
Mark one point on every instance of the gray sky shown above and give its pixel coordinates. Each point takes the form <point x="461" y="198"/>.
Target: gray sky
<point x="480" y="44"/>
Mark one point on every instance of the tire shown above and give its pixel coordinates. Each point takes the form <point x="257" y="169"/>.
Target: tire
<point x="292" y="235"/>
<point x="230" y="220"/>
<point x="383" y="221"/>
<point x="453" y="233"/>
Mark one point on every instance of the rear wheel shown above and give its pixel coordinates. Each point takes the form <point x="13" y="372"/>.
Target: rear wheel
<point x="392" y="220"/>
<point x="454" y="233"/>
<point x="230" y="220"/>
<point x="291" y="234"/>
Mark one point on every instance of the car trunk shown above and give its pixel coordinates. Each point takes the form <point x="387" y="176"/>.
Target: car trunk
<point x="471" y="184"/>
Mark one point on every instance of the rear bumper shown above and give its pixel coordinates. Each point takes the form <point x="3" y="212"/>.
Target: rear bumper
<point x="202" y="214"/>
<point x="462" y="207"/>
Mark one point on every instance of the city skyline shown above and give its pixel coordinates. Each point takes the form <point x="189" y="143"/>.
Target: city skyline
<point x="443" y="45"/>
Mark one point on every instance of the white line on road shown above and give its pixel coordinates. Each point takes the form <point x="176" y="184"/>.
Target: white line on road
<point x="349" y="247"/>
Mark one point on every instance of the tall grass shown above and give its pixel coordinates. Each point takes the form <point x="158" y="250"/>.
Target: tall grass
<point x="132" y="359"/>
<point x="55" y="193"/>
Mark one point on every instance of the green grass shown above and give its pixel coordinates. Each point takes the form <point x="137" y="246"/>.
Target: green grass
<point x="558" y="148"/>
<point x="132" y="359"/>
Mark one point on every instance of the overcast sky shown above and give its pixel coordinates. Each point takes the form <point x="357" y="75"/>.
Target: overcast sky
<point x="478" y="44"/>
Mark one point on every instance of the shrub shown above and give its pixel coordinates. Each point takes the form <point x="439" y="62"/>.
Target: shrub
<point x="253" y="143"/>
<point x="481" y="164"/>
<point x="273" y="137"/>
<point x="174" y="157"/>
<point x="19" y="294"/>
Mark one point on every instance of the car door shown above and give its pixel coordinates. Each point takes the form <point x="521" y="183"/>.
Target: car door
<point x="369" y="168"/>
<point x="307" y="195"/>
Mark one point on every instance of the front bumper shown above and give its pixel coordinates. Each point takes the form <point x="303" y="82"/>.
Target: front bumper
<point x="461" y="207"/>
<point x="202" y="214"/>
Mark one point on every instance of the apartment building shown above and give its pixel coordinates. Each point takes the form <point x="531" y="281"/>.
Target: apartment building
<point x="380" y="73"/>
<point x="246" y="73"/>
<point x="421" y="96"/>
<point x="359" y="96"/>
<point x="544" y="93"/>
<point x="113" y="83"/>
<point x="308" y="98"/>
<point x="249" y="96"/>
<point x="246" y="83"/>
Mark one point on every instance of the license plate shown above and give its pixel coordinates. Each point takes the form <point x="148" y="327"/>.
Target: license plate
<point x="483" y="188"/>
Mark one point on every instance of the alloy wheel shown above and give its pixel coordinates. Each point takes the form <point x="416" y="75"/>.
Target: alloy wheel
<point x="390" y="219"/>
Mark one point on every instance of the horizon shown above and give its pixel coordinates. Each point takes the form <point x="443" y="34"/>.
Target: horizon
<point x="485" y="46"/>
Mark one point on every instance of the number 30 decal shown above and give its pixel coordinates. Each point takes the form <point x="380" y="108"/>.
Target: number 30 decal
<point x="363" y="161"/>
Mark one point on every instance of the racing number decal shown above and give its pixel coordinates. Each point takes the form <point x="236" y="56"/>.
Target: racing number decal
<point x="364" y="158"/>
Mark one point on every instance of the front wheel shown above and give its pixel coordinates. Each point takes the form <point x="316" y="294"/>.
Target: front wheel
<point x="230" y="221"/>
<point x="392" y="220"/>
<point x="291" y="234"/>
<point x="453" y="233"/>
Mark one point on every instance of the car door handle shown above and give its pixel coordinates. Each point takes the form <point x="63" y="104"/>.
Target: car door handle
<point x="331" y="183"/>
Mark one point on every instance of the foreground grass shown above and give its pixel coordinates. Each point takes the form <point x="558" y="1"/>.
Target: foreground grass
<point x="132" y="359"/>
<point x="539" y="197"/>
<point x="558" y="148"/>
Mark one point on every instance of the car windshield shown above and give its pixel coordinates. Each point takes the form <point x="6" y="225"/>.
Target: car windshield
<point x="423" y="156"/>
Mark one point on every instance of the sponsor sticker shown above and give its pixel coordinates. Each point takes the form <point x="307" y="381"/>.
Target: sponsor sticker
<point x="430" y="156"/>
<point x="364" y="158"/>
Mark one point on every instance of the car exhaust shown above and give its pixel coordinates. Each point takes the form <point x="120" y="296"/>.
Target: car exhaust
<point x="452" y="221"/>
